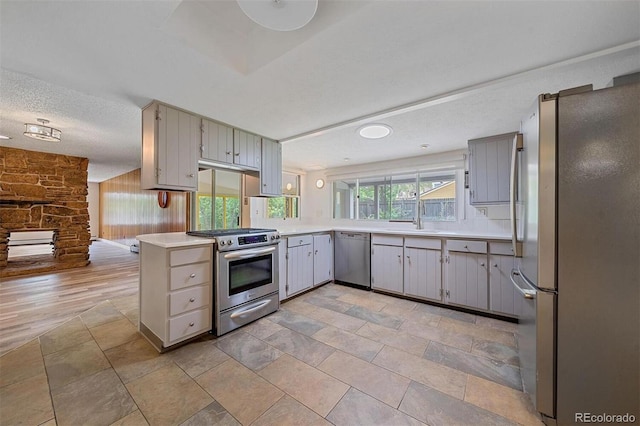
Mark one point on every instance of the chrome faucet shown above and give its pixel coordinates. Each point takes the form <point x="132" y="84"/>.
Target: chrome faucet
<point x="418" y="220"/>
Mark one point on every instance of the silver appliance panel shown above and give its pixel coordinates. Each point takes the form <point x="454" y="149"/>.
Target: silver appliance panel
<point x="249" y="264"/>
<point x="246" y="313"/>
<point x="353" y="258"/>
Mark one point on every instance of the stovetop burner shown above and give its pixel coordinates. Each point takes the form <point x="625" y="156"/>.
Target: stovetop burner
<point x="212" y="233"/>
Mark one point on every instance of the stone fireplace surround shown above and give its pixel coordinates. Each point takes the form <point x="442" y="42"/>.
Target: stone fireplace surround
<point x="42" y="191"/>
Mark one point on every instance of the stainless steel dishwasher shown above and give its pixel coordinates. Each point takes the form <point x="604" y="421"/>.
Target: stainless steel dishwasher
<point x="353" y="258"/>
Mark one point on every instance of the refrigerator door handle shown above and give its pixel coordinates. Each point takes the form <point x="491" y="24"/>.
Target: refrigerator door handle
<point x="527" y="293"/>
<point x="518" y="145"/>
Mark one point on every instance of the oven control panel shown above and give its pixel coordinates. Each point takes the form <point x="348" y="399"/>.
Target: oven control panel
<point x="252" y="239"/>
<point x="236" y="242"/>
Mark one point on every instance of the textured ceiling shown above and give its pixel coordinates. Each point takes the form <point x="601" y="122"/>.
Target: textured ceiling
<point x="90" y="66"/>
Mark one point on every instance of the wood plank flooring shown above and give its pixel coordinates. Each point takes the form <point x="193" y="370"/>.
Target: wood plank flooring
<point x="31" y="305"/>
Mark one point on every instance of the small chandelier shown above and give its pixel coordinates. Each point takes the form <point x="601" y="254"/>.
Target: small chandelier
<point x="42" y="131"/>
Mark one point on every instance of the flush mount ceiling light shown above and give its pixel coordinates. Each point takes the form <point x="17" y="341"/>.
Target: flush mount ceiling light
<point x="374" y="131"/>
<point x="42" y="131"/>
<point x="424" y="146"/>
<point x="280" y="15"/>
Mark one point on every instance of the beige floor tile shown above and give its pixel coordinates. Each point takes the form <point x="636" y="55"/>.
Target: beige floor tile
<point x="243" y="393"/>
<point x="168" y="396"/>
<point x="213" y="414"/>
<point x="420" y="317"/>
<point x="475" y="330"/>
<point x="134" y="419"/>
<point x="198" y="357"/>
<point x="100" y="314"/>
<point x="312" y="387"/>
<point x="438" y="409"/>
<point x="299" y="306"/>
<point x="262" y="328"/>
<point x="69" y="334"/>
<point x="126" y="303"/>
<point x="26" y="402"/>
<point x="357" y="408"/>
<point x="97" y="399"/>
<point x="135" y="359"/>
<point x="74" y="363"/>
<point x="114" y="333"/>
<point x="349" y="342"/>
<point x="362" y="300"/>
<point x="303" y="347"/>
<point x="437" y="376"/>
<point x="375" y="381"/>
<point x="437" y="334"/>
<point x="288" y="411"/>
<point x="51" y="422"/>
<point x="337" y="319"/>
<point x="251" y="352"/>
<point x="502" y="400"/>
<point x="21" y="363"/>
<point x="398" y="339"/>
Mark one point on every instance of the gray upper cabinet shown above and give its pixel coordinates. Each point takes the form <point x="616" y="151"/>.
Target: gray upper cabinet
<point x="271" y="168"/>
<point x="246" y="149"/>
<point x="489" y="169"/>
<point x="170" y="141"/>
<point x="217" y="142"/>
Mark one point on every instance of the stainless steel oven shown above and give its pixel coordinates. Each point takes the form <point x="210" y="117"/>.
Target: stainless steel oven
<point x="246" y="276"/>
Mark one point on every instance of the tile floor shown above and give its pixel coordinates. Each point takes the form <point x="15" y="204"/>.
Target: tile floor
<point x="336" y="355"/>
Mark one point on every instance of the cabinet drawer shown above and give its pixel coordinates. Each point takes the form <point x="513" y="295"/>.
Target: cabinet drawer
<point x="188" y="299"/>
<point x="190" y="275"/>
<point x="427" y="243"/>
<point x="387" y="240"/>
<point x="467" y="246"/>
<point x="190" y="324"/>
<point x="299" y="240"/>
<point x="190" y="255"/>
<point x="501" y="248"/>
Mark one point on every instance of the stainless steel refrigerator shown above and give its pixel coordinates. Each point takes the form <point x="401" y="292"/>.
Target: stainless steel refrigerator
<point x="579" y="272"/>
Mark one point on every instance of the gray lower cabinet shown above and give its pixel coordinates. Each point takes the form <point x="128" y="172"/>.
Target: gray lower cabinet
<point x="423" y="268"/>
<point x="322" y="259"/>
<point x="503" y="297"/>
<point x="387" y="263"/>
<point x="467" y="277"/>
<point x="299" y="263"/>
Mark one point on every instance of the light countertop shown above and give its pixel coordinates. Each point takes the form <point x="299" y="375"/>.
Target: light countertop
<point x="173" y="239"/>
<point x="181" y="239"/>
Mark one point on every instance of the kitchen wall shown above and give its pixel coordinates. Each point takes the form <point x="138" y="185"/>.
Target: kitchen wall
<point x="316" y="204"/>
<point x="127" y="211"/>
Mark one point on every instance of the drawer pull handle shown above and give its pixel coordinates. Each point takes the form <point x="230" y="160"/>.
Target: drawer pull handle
<point x="192" y="275"/>
<point x="466" y="247"/>
<point x="191" y="324"/>
<point x="192" y="299"/>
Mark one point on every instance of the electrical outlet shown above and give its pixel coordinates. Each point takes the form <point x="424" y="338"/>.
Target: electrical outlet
<point x="481" y="212"/>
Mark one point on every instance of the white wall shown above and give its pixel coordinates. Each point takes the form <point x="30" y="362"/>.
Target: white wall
<point x="93" y="198"/>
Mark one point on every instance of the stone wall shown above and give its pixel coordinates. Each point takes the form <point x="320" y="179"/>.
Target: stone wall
<point x="41" y="191"/>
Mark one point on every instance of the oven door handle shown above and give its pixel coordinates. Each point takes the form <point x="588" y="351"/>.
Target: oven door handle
<point x="245" y="254"/>
<point x="259" y="306"/>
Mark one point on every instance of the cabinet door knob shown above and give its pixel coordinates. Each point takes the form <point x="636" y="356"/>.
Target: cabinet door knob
<point x="191" y="324"/>
<point x="228" y="152"/>
<point x="192" y="275"/>
<point x="482" y="264"/>
<point x="495" y="265"/>
<point x="466" y="247"/>
<point x="191" y="175"/>
<point x="237" y="154"/>
<point x="192" y="300"/>
<point x="309" y="254"/>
